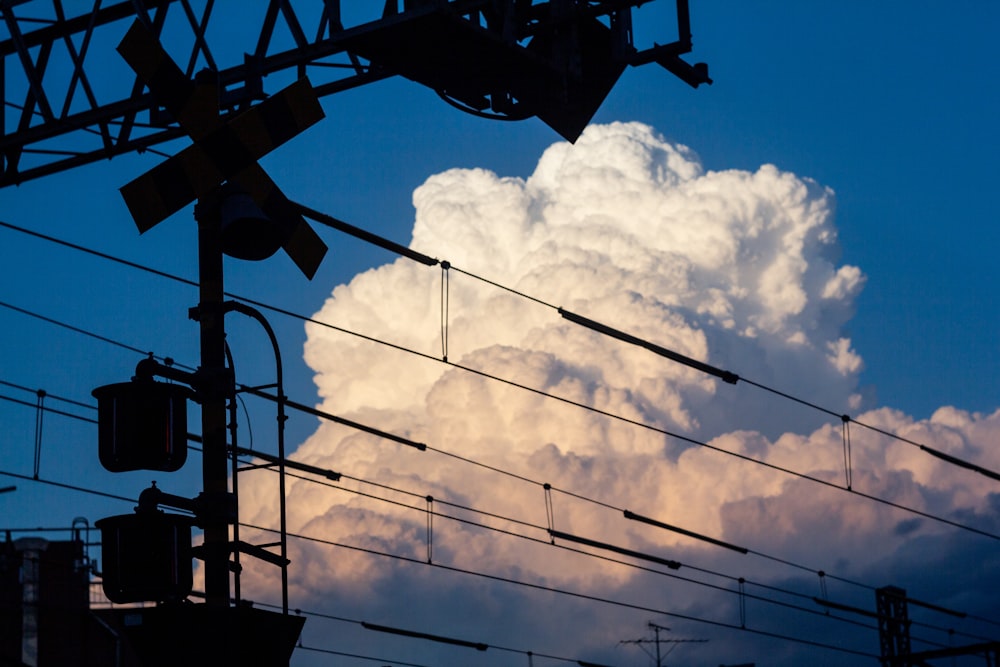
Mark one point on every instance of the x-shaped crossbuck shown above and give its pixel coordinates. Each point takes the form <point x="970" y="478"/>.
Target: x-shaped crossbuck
<point x="224" y="149"/>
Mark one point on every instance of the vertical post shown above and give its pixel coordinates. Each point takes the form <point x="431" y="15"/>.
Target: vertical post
<point x="214" y="391"/>
<point x="893" y="626"/>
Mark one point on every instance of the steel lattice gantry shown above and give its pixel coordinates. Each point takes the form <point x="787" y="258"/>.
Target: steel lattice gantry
<point x="68" y="100"/>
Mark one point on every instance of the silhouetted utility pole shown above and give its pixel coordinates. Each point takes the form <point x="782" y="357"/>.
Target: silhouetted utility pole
<point x="555" y="60"/>
<point x="216" y="395"/>
<point x="892" y="604"/>
<point x="657" y="641"/>
<point x="223" y="149"/>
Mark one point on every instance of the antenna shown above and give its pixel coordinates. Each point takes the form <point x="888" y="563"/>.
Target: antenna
<point x="657" y="641"/>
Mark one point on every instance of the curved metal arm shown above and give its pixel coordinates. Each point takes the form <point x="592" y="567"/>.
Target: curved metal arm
<point x="244" y="309"/>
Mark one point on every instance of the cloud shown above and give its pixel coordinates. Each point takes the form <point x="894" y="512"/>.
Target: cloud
<point x="736" y="269"/>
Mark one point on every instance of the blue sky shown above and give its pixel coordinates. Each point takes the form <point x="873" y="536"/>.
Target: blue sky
<point x="891" y="105"/>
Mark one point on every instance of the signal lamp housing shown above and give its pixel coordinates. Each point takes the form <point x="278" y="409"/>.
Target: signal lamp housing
<point x="146" y="556"/>
<point x="142" y="425"/>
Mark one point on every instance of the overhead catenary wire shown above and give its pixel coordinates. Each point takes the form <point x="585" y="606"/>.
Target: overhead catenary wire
<point x="454" y="569"/>
<point x="48" y="394"/>
<point x="70" y="487"/>
<point x="422" y="446"/>
<point x="607" y="505"/>
<point x="45" y="408"/>
<point x="578" y="595"/>
<point x="741" y="580"/>
<point x="413" y="634"/>
<point x="359" y="656"/>
<point x="426" y="260"/>
<point x="720" y="588"/>
<point x="671" y="564"/>
<point x="30" y="313"/>
<point x="611" y="415"/>
<point x="548" y="487"/>
<point x="285" y="312"/>
<point x="733" y="378"/>
<point x="357" y="232"/>
<point x="336" y="476"/>
<point x="634" y="422"/>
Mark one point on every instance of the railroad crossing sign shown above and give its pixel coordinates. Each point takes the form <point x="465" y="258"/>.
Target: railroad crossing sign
<point x="224" y="149"/>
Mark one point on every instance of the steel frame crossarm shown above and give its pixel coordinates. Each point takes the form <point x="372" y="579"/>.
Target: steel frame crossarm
<point x="64" y="104"/>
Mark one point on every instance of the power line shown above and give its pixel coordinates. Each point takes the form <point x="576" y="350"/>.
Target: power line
<point x="662" y="431"/>
<point x="319" y="540"/>
<point x="47" y="394"/>
<point x="247" y="525"/>
<point x="313" y="470"/>
<point x="473" y="644"/>
<point x="421" y="258"/>
<point x="471" y="572"/>
<point x="358" y="656"/>
<point x="575" y="594"/>
<point x="421" y="446"/>
<point x="98" y="253"/>
<point x="24" y="311"/>
<point x="44" y="408"/>
<point x="71" y="487"/>
<point x="383" y="434"/>
<point x="593" y="543"/>
<point x="728" y="376"/>
<point x="556" y="534"/>
<point x="430" y="261"/>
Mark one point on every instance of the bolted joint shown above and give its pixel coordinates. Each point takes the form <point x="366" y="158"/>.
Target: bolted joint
<point x="214" y="384"/>
<point x="212" y="552"/>
<point x="215" y="508"/>
<point x="207" y="313"/>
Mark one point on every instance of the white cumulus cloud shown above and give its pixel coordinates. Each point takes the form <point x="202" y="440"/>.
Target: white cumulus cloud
<point x="735" y="269"/>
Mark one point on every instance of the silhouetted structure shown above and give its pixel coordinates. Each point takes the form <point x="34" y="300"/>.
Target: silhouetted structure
<point x="198" y="635"/>
<point x="893" y="624"/>
<point x="891" y="605"/>
<point x="657" y="642"/>
<point x="508" y="59"/>
<point x="45" y="616"/>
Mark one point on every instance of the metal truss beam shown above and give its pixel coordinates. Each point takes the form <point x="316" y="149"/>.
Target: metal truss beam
<point x="69" y="101"/>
